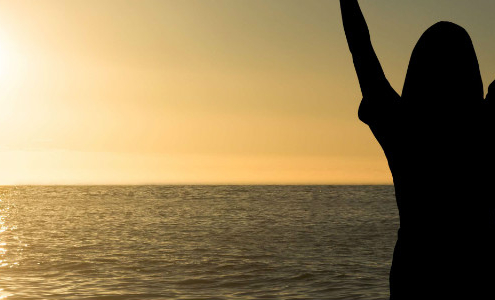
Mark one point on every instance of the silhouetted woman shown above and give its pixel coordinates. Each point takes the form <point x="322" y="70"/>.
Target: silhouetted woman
<point x="436" y="138"/>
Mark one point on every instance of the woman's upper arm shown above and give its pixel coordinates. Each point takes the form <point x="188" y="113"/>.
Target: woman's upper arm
<point x="370" y="74"/>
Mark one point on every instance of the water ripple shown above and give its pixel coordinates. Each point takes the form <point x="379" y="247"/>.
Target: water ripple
<point x="196" y="242"/>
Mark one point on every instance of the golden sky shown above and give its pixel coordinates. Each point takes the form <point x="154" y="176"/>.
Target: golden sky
<point x="201" y="91"/>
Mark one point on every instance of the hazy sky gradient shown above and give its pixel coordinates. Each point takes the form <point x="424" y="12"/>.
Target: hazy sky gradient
<point x="201" y="91"/>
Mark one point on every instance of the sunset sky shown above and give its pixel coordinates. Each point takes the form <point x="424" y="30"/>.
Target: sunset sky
<point x="201" y="91"/>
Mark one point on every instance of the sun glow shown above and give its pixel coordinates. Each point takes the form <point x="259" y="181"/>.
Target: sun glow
<point x="5" y="109"/>
<point x="4" y="57"/>
<point x="14" y="69"/>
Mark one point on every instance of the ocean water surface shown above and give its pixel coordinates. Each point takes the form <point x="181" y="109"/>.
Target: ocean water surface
<point x="196" y="242"/>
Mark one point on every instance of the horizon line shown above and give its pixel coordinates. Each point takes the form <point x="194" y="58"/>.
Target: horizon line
<point x="198" y="184"/>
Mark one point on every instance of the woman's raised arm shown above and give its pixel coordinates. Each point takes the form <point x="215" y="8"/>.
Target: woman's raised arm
<point x="369" y="71"/>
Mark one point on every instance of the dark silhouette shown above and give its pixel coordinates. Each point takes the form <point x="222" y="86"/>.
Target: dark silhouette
<point x="437" y="140"/>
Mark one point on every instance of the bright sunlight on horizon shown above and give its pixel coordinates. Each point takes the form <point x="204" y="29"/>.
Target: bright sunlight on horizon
<point x="201" y="91"/>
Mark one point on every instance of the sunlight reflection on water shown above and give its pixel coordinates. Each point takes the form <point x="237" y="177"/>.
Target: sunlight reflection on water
<point x="190" y="242"/>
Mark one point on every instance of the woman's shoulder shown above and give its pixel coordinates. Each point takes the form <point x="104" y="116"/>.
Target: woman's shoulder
<point x="379" y="108"/>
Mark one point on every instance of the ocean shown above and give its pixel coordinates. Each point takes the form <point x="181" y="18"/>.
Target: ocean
<point x="196" y="242"/>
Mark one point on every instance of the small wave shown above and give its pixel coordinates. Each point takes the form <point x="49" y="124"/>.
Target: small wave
<point x="303" y="276"/>
<point x="196" y="281"/>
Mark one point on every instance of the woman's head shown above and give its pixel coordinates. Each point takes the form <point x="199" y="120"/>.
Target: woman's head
<point x="443" y="72"/>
